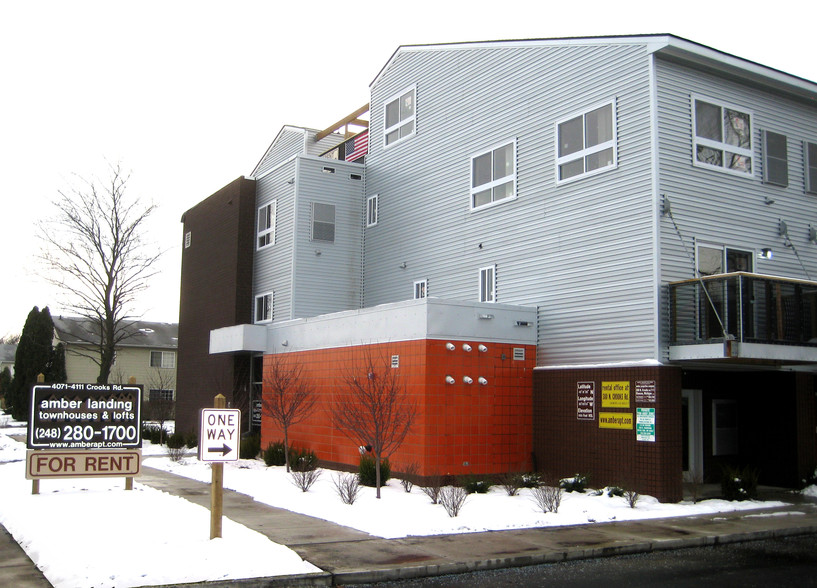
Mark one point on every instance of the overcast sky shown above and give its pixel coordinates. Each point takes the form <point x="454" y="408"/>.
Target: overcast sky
<point x="188" y="95"/>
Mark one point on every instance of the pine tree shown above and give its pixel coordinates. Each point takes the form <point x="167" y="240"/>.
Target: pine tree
<point x="34" y="353"/>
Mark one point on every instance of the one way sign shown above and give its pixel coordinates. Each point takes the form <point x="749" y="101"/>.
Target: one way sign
<point x="219" y="440"/>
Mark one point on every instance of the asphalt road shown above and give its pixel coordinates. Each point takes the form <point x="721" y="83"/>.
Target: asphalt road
<point x="788" y="561"/>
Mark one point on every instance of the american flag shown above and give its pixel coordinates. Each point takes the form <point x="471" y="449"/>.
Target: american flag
<point x="357" y="147"/>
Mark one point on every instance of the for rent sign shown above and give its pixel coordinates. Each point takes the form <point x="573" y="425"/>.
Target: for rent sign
<point x="82" y="464"/>
<point x="85" y="416"/>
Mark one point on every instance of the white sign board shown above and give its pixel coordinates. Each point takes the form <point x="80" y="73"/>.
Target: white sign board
<point x="219" y="439"/>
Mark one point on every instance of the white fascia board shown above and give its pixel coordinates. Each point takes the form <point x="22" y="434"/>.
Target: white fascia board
<point x="247" y="338"/>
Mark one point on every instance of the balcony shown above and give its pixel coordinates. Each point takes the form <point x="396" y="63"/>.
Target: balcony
<point x="744" y="317"/>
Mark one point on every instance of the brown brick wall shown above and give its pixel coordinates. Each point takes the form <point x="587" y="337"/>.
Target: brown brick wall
<point x="216" y="291"/>
<point x="563" y="445"/>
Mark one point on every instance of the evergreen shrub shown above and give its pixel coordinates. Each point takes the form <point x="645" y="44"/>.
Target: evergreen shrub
<point x="367" y="472"/>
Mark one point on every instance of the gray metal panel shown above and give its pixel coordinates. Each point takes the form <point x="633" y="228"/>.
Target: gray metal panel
<point x="581" y="252"/>
<point x="328" y="275"/>
<point x="720" y="208"/>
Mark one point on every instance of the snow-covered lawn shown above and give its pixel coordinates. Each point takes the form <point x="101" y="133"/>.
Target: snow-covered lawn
<point x="91" y="532"/>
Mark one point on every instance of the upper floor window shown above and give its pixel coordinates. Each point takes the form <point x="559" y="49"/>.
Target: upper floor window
<point x="323" y="222"/>
<point x="399" y="115"/>
<point x="266" y="224"/>
<point x="775" y="159"/>
<point x="810" y="150"/>
<point x="371" y="210"/>
<point x="263" y="308"/>
<point x="163" y="359"/>
<point x="723" y="137"/>
<point x="188" y="238"/>
<point x="487" y="284"/>
<point x="420" y="289"/>
<point x="493" y="175"/>
<point x="586" y="143"/>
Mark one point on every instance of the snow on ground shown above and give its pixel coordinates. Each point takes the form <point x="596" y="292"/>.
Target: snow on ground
<point x="92" y="532"/>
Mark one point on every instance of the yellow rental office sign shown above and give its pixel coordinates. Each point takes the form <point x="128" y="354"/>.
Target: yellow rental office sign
<point x="615" y="420"/>
<point x="615" y="394"/>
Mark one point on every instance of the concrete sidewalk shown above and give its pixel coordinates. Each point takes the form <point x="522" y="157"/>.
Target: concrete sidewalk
<point x="349" y="556"/>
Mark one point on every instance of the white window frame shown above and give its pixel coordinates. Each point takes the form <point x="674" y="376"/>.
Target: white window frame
<point x="266" y="234"/>
<point x="372" y="210"/>
<point x="402" y="122"/>
<point x="494" y="182"/>
<point x="722" y="145"/>
<point x="487" y="284"/>
<point x="809" y="165"/>
<point x="586" y="152"/>
<point x="312" y="236"/>
<point x="266" y="314"/>
<point x="188" y="239"/>
<point x="420" y="289"/>
<point x="167" y="359"/>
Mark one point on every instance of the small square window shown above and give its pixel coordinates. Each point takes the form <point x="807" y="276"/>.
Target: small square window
<point x="399" y="117"/>
<point x="266" y="224"/>
<point x="323" y="222"/>
<point x="163" y="359"/>
<point x="188" y="238"/>
<point x="487" y="284"/>
<point x="420" y="289"/>
<point x="263" y="308"/>
<point x="775" y="159"/>
<point x="371" y="210"/>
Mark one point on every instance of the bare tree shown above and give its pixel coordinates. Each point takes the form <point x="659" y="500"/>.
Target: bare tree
<point x="162" y="407"/>
<point x="95" y="252"/>
<point x="288" y="398"/>
<point x="374" y="409"/>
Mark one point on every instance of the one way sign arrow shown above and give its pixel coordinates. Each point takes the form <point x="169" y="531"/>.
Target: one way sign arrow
<point x="224" y="449"/>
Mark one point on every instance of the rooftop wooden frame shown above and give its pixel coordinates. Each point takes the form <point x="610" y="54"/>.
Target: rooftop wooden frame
<point x="351" y="119"/>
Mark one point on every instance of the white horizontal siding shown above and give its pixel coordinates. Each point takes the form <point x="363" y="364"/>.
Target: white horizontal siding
<point x="553" y="245"/>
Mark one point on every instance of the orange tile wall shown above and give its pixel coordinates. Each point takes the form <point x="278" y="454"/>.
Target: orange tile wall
<point x="459" y="429"/>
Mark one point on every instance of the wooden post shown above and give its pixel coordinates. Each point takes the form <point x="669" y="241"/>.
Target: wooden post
<point x="217" y="484"/>
<point x="129" y="483"/>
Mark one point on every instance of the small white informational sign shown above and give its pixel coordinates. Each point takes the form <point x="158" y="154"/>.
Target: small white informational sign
<point x="219" y="440"/>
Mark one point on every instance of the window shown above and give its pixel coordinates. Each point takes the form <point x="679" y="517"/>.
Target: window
<point x="263" y="308"/>
<point x="723" y="138"/>
<point x="775" y="159"/>
<point x="487" y="284"/>
<point x="156" y="395"/>
<point x="811" y="167"/>
<point x="493" y="175"/>
<point x="188" y="237"/>
<point x="163" y="359"/>
<point x="724" y="427"/>
<point x="586" y="143"/>
<point x="266" y="224"/>
<point x="371" y="210"/>
<point x="323" y="222"/>
<point x="420" y="289"/>
<point x="399" y="117"/>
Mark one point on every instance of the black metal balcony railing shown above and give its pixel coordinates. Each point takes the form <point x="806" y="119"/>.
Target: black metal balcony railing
<point x="746" y="307"/>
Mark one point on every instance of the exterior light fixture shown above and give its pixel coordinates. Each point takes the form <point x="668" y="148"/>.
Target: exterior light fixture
<point x="449" y="380"/>
<point x="468" y="379"/>
<point x="766" y="253"/>
<point x="482" y="348"/>
<point x="466" y="347"/>
<point x="482" y="381"/>
<point x="450" y="346"/>
<point x="485" y="316"/>
<point x="403" y="265"/>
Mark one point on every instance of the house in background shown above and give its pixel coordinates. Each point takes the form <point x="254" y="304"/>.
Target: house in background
<point x="146" y="356"/>
<point x="582" y="255"/>
<point x="7" y="353"/>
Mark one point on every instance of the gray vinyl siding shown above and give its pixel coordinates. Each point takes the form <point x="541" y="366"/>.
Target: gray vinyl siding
<point x="331" y="281"/>
<point x="721" y="208"/>
<point x="289" y="142"/>
<point x="317" y="148"/>
<point x="582" y="252"/>
<point x="272" y="265"/>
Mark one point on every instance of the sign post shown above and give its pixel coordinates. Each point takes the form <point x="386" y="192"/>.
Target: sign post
<point x="219" y="442"/>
